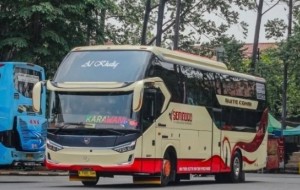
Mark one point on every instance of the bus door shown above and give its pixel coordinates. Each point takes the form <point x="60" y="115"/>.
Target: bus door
<point x="216" y="136"/>
<point x="151" y="110"/>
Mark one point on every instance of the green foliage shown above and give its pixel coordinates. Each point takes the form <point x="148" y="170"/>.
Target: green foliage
<point x="270" y="67"/>
<point x="44" y="31"/>
<point x="198" y="19"/>
<point x="275" y="28"/>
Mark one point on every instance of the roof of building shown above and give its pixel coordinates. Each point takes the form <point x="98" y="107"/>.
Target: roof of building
<point x="261" y="46"/>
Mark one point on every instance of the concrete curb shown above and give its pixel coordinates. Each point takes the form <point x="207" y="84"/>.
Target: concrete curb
<point x="34" y="173"/>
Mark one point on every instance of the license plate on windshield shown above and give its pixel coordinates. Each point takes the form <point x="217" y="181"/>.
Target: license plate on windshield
<point x="86" y="173"/>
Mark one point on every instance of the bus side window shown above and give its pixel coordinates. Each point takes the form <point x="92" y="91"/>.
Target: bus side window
<point x="152" y="105"/>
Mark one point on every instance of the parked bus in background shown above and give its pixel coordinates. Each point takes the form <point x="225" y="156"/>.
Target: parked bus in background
<point x="22" y="131"/>
<point x="156" y="114"/>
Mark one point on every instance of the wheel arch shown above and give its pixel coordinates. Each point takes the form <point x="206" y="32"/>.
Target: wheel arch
<point x="170" y="149"/>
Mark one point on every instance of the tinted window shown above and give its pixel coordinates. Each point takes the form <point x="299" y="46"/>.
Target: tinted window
<point x="240" y="119"/>
<point x="172" y="78"/>
<point x="104" y="66"/>
<point x="197" y="86"/>
<point x="234" y="86"/>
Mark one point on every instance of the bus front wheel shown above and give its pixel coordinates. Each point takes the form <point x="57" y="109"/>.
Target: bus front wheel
<point x="90" y="183"/>
<point x="168" y="170"/>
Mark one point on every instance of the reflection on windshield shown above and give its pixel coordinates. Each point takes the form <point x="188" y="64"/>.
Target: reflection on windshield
<point x="94" y="110"/>
<point x="115" y="120"/>
<point x="104" y="66"/>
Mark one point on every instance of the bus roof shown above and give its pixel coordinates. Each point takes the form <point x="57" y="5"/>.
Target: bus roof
<point x="178" y="57"/>
<point x="22" y="63"/>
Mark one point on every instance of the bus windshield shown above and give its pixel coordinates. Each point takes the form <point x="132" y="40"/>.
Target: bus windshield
<point x="77" y="110"/>
<point x="104" y="66"/>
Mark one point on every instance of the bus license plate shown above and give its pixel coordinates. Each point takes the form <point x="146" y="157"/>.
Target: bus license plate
<point x="29" y="156"/>
<point x="86" y="173"/>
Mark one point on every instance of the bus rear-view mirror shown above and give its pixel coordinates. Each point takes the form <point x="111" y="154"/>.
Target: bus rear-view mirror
<point x="36" y="97"/>
<point x="138" y="96"/>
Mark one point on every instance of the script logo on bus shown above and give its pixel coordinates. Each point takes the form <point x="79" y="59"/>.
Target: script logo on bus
<point x="100" y="63"/>
<point x="34" y="122"/>
<point x="179" y="116"/>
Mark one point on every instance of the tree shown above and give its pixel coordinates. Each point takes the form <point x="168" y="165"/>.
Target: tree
<point x="260" y="13"/>
<point x="271" y="67"/>
<point x="43" y="31"/>
<point x="195" y="20"/>
<point x="289" y="54"/>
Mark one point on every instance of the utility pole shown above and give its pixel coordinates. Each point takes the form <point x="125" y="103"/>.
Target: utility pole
<point x="256" y="36"/>
<point x="177" y="24"/>
<point x="285" y="69"/>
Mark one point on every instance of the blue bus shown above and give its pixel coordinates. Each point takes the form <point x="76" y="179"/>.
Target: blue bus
<point x="22" y="131"/>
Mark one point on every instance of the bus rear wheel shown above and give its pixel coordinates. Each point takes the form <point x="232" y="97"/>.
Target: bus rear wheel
<point x="237" y="175"/>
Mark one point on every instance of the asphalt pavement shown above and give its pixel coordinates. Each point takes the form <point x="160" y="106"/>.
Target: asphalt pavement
<point x="32" y="171"/>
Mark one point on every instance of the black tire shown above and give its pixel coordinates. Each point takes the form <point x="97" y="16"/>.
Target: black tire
<point x="237" y="174"/>
<point x="168" y="170"/>
<point x="243" y="178"/>
<point x="90" y="183"/>
<point x="219" y="178"/>
<point x="222" y="178"/>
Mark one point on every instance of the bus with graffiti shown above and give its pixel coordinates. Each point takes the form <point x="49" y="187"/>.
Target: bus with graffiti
<point x="22" y="130"/>
<point x="155" y="114"/>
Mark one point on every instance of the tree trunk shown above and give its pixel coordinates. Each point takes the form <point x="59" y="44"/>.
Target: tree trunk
<point x="160" y="20"/>
<point x="285" y="69"/>
<point x="256" y="36"/>
<point x="177" y="24"/>
<point x="145" y="23"/>
<point x="101" y="38"/>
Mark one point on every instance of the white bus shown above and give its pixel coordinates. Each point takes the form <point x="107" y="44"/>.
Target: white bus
<point x="155" y="114"/>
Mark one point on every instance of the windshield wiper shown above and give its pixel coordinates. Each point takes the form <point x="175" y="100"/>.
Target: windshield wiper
<point x="113" y="131"/>
<point x="67" y="124"/>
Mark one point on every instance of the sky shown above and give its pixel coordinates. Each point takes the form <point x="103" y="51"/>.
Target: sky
<point x="279" y="11"/>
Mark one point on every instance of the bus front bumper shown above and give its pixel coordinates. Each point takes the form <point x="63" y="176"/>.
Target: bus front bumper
<point x="139" y="165"/>
<point x="28" y="158"/>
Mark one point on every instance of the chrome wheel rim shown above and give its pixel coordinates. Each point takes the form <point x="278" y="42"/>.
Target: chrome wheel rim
<point x="236" y="166"/>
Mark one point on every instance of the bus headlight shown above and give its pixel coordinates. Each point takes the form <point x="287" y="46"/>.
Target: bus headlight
<point x="125" y="147"/>
<point x="54" y="146"/>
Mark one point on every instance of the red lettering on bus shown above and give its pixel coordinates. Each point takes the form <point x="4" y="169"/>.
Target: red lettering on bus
<point x="181" y="116"/>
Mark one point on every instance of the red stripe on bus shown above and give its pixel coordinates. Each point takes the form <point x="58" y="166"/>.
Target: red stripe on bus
<point x="139" y="165"/>
<point x="213" y="165"/>
<point x="245" y="159"/>
<point x="142" y="165"/>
